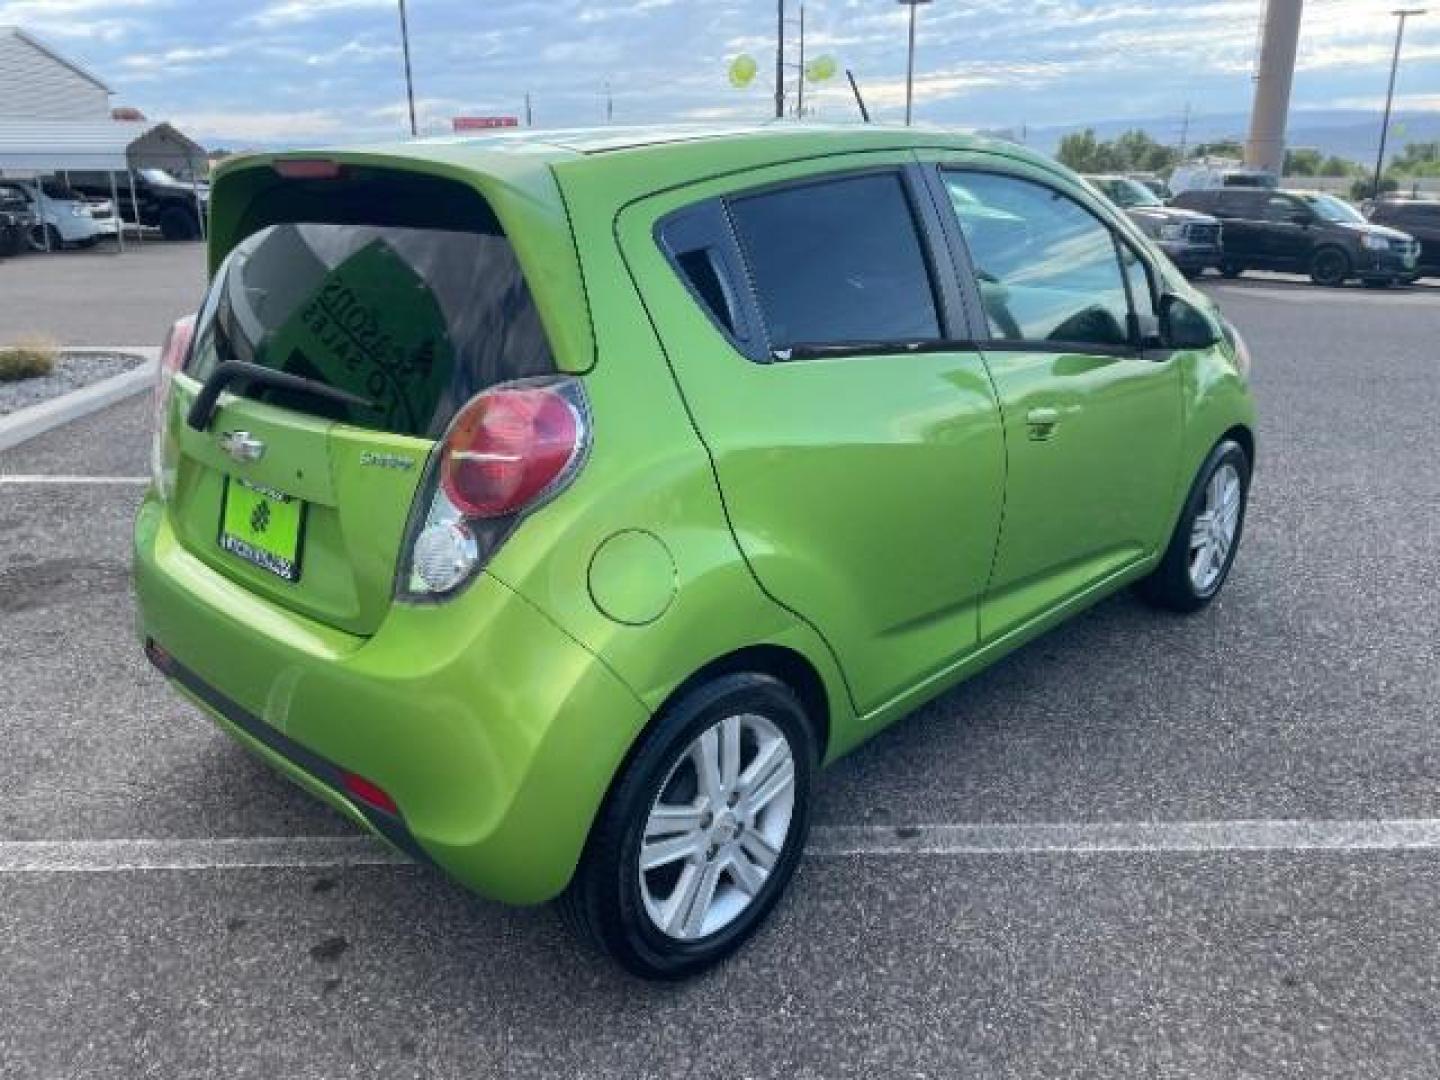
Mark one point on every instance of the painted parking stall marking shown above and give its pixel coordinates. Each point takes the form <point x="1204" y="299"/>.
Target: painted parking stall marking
<point x="36" y="479"/>
<point x="834" y="841"/>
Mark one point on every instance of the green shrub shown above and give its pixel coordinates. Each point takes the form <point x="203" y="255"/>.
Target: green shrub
<point x="27" y="359"/>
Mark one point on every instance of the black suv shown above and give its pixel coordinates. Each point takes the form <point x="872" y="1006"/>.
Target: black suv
<point x="1304" y="232"/>
<point x="170" y="205"/>
<point x="16" y="220"/>
<point x="1421" y="219"/>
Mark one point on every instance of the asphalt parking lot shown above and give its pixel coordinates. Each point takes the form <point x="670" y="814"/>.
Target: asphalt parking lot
<point x="1237" y="876"/>
<point x="100" y="296"/>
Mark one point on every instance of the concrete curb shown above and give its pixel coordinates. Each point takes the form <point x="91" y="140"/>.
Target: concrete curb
<point x="34" y="420"/>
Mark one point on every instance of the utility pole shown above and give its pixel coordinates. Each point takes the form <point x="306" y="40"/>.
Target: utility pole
<point x="910" y="59"/>
<point x="1185" y="131"/>
<point x="800" y="78"/>
<point x="529" y="117"/>
<point x="779" y="59"/>
<point x="609" y="103"/>
<point x="409" y="81"/>
<point x="1402" y="14"/>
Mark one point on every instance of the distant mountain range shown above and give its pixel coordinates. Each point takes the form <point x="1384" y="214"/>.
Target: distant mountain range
<point x="1350" y="133"/>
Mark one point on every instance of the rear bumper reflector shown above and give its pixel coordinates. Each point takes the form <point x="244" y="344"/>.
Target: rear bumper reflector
<point x="373" y="803"/>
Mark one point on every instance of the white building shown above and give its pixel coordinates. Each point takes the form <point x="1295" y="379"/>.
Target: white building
<point x="37" y="83"/>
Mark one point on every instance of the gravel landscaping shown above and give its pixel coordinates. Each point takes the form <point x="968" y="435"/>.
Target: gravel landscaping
<point x="72" y="371"/>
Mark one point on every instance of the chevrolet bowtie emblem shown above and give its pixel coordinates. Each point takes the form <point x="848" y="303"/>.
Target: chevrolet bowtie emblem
<point x="242" y="446"/>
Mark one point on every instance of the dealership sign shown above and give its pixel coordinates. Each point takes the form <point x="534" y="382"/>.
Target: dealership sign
<point x="484" y="123"/>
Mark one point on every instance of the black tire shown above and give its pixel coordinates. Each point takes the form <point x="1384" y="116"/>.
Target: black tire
<point x="1231" y="270"/>
<point x="1330" y="266"/>
<point x="12" y="240"/>
<point x="1171" y="585"/>
<point x="39" y="235"/>
<point x="605" y="900"/>
<point x="177" y="223"/>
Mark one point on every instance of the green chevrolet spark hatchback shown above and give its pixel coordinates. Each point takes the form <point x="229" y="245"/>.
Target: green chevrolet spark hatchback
<point x="555" y="505"/>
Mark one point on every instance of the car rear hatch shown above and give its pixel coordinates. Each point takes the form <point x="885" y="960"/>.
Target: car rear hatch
<point x="370" y="304"/>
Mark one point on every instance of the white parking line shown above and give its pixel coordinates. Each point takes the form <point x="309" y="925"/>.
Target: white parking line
<point x="37" y="478"/>
<point x="1158" y="837"/>
<point x="317" y="852"/>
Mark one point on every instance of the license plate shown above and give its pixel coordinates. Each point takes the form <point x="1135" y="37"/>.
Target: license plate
<point x="262" y="526"/>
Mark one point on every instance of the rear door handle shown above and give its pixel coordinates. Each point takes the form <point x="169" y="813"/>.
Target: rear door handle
<point x="1042" y="423"/>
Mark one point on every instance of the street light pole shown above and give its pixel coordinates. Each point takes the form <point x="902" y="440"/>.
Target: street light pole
<point x="910" y="59"/>
<point x="409" y="81"/>
<point x="779" y="59"/>
<point x="1402" y="14"/>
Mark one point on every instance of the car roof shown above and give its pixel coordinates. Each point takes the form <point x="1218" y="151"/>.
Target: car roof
<point x="656" y="137"/>
<point x="510" y="154"/>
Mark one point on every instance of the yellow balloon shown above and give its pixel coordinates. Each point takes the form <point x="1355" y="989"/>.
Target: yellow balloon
<point x="742" y="70"/>
<point x="821" y="68"/>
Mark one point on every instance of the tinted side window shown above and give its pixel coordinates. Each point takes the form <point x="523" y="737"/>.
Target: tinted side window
<point x="837" y="262"/>
<point x="1241" y="203"/>
<point x="1281" y="208"/>
<point x="1048" y="270"/>
<point x="1409" y="214"/>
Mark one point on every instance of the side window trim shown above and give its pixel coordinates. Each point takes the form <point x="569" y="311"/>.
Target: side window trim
<point x="965" y="266"/>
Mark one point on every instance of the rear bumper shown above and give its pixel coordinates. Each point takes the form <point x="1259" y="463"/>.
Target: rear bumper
<point x="496" y="734"/>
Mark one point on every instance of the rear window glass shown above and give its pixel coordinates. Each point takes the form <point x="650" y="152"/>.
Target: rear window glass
<point x="838" y="263"/>
<point x="415" y="321"/>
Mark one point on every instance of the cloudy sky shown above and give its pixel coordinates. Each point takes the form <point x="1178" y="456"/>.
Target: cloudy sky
<point x="267" y="71"/>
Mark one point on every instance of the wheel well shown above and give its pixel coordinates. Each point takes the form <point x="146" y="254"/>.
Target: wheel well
<point x="1246" y="438"/>
<point x="787" y="665"/>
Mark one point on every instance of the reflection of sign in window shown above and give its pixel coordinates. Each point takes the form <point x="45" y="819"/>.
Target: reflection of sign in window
<point x="374" y="329"/>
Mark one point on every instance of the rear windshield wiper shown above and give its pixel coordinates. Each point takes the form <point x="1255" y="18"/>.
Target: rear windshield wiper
<point x="202" y="411"/>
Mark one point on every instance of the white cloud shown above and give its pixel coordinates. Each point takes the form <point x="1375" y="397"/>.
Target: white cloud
<point x="245" y="126"/>
<point x="1414" y="102"/>
<point x="353" y="52"/>
<point x="286" y="12"/>
<point x="104" y="21"/>
<point x="173" y="58"/>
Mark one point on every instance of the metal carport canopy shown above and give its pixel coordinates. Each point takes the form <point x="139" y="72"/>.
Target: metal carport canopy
<point x="49" y="146"/>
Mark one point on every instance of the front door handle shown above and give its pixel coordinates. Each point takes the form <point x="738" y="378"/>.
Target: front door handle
<point x="1042" y="423"/>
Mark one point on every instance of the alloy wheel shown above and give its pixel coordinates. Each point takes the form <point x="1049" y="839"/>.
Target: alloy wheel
<point x="1213" y="533"/>
<point x="716" y="830"/>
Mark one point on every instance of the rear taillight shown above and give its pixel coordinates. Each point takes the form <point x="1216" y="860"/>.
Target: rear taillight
<point x="508" y="451"/>
<point x="162" y="443"/>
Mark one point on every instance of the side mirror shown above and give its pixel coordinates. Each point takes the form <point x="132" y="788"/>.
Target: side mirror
<point x="1184" y="326"/>
<point x="1300" y="217"/>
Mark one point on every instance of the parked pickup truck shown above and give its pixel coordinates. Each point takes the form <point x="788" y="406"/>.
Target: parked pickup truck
<point x="1191" y="239"/>
<point x="173" y="206"/>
